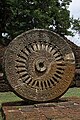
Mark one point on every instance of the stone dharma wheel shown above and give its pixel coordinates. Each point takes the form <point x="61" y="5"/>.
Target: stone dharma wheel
<point x="39" y="65"/>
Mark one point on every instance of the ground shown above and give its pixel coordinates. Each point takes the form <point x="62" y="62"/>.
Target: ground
<point x="67" y="108"/>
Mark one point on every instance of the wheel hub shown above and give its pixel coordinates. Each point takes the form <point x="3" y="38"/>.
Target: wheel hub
<point x="40" y="66"/>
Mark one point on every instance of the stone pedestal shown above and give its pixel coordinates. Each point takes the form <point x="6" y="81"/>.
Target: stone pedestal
<point x="65" y="109"/>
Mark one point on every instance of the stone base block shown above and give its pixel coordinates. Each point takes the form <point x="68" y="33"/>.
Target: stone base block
<point x="65" y="109"/>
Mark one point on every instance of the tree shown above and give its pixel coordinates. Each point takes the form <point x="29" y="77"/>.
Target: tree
<point x="76" y="25"/>
<point x="28" y="14"/>
<point x="4" y="17"/>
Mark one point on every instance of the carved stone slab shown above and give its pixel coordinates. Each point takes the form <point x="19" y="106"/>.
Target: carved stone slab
<point x="39" y="65"/>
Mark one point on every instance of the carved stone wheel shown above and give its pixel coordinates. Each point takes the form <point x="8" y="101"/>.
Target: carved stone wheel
<point x="39" y="65"/>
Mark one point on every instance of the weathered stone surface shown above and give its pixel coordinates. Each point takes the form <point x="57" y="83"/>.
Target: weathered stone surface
<point x="75" y="49"/>
<point x="4" y="87"/>
<point x="2" y="50"/>
<point x="65" y="109"/>
<point x="39" y="65"/>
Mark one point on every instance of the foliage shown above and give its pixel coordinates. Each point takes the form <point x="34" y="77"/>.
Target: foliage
<point x="76" y="25"/>
<point x="4" y="17"/>
<point x="21" y="15"/>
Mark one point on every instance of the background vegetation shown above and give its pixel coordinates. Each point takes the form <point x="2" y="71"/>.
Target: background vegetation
<point x="17" y="16"/>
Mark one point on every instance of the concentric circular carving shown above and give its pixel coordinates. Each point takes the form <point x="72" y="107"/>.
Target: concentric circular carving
<point x="39" y="65"/>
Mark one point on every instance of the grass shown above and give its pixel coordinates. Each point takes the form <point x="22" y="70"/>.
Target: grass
<point x="72" y="92"/>
<point x="8" y="97"/>
<point x="11" y="97"/>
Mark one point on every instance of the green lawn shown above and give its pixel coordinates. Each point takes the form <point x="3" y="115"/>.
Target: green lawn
<point x="72" y="92"/>
<point x="8" y="97"/>
<point x="11" y="97"/>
